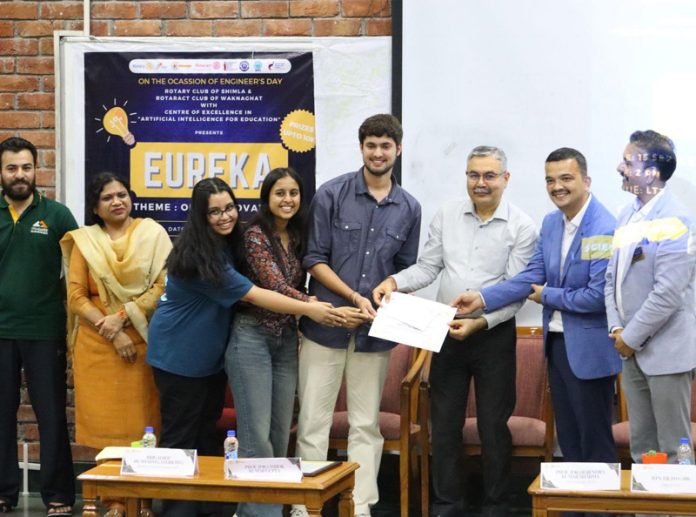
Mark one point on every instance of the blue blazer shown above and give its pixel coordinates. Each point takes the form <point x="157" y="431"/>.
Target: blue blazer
<point x="577" y="291"/>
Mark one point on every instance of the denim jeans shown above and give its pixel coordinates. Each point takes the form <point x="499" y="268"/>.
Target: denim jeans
<point x="262" y="371"/>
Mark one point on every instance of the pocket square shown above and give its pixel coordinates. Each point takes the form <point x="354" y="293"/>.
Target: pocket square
<point x="637" y="255"/>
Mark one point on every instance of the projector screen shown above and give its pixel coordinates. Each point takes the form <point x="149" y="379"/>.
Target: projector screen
<point x="534" y="75"/>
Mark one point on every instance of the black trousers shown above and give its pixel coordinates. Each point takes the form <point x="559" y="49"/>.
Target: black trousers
<point x="190" y="407"/>
<point x="489" y="358"/>
<point x="44" y="365"/>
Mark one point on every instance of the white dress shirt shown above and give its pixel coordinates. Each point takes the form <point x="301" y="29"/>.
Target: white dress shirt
<point x="570" y="228"/>
<point x="471" y="253"/>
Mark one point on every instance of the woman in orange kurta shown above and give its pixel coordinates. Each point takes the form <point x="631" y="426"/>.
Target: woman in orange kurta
<point x="115" y="278"/>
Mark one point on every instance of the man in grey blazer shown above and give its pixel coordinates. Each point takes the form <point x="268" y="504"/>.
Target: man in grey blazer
<point x="650" y="298"/>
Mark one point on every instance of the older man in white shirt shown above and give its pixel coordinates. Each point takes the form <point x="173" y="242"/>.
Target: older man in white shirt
<point x="474" y="242"/>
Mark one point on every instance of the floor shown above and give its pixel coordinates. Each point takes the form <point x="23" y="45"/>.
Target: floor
<point x="523" y="473"/>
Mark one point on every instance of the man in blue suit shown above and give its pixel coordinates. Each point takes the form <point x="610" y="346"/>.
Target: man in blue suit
<point x="566" y="276"/>
<point x="650" y="298"/>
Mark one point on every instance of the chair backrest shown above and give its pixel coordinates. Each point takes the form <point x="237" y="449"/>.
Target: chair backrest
<point x="530" y="379"/>
<point x="399" y="362"/>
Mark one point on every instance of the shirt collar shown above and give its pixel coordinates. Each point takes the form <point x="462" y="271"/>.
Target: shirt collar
<point x="643" y="211"/>
<point x="502" y="212"/>
<point x="574" y="223"/>
<point x="395" y="195"/>
<point x="34" y="202"/>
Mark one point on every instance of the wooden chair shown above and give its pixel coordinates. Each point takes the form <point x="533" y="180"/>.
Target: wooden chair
<point x="401" y="422"/>
<point x="532" y="421"/>
<point x="622" y="431"/>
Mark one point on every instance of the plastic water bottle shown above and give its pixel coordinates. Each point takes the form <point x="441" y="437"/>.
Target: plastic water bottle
<point x="685" y="455"/>
<point x="231" y="446"/>
<point x="149" y="438"/>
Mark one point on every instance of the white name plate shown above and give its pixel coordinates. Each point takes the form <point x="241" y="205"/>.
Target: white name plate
<point x="583" y="476"/>
<point x="284" y="470"/>
<point x="663" y="479"/>
<point x="159" y="462"/>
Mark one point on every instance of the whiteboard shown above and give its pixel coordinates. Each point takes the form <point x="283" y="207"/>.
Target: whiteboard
<point x="534" y="75"/>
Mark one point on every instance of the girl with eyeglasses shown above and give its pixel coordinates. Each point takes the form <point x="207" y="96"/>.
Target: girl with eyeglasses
<point x="189" y="330"/>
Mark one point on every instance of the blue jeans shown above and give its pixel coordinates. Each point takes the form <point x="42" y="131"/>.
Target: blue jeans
<point x="262" y="371"/>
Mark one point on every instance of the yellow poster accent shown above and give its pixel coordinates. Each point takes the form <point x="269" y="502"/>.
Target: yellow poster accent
<point x="297" y="131"/>
<point x="669" y="228"/>
<point x="171" y="169"/>
<point x="597" y="247"/>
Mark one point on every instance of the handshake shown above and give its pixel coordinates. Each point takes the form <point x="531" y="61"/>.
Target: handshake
<point x="466" y="303"/>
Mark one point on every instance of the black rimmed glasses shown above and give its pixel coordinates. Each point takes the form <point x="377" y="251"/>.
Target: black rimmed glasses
<point x="216" y="213"/>
<point x="475" y="177"/>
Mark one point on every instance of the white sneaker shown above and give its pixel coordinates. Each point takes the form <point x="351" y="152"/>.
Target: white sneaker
<point x="298" y="511"/>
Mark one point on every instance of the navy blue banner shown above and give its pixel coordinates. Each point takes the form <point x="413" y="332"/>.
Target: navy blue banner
<point x="167" y="120"/>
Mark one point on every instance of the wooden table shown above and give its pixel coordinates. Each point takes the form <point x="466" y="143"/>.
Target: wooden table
<point x="105" y="481"/>
<point x="545" y="502"/>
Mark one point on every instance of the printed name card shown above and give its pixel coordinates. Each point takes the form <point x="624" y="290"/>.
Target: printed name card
<point x="159" y="462"/>
<point x="284" y="470"/>
<point x="663" y="479"/>
<point x="581" y="476"/>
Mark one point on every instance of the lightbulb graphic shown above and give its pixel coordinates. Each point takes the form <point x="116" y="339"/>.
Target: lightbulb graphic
<point x="116" y="122"/>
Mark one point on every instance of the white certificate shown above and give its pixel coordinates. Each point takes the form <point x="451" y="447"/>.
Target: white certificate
<point x="585" y="476"/>
<point x="413" y="321"/>
<point x="663" y="479"/>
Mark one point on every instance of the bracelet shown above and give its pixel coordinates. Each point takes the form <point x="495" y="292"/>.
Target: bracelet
<point x="122" y="314"/>
<point x="352" y="297"/>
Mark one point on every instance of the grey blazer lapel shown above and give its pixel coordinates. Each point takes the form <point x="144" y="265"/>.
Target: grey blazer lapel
<point x="629" y="260"/>
<point x="620" y="275"/>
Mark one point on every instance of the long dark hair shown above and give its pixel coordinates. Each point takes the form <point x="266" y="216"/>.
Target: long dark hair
<point x="199" y="252"/>
<point x="94" y="190"/>
<point x="266" y="220"/>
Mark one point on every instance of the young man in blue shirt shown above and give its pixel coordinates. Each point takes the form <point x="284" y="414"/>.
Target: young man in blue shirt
<point x="363" y="226"/>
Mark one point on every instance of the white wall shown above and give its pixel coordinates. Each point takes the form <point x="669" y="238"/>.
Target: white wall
<point x="534" y="75"/>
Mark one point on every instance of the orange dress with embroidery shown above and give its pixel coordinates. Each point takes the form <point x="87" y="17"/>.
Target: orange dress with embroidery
<point x="114" y="399"/>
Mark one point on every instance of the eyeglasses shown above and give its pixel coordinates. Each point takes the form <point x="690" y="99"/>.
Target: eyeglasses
<point x="474" y="177"/>
<point x="216" y="213"/>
